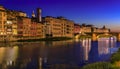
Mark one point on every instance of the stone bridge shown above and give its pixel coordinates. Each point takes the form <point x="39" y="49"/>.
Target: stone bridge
<point x="95" y="36"/>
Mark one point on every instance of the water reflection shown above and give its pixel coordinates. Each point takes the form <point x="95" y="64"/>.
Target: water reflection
<point x="86" y="46"/>
<point x="54" y="55"/>
<point x="105" y="46"/>
<point x="8" y="56"/>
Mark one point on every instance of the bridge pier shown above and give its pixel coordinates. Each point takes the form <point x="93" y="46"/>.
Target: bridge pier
<point x="118" y="37"/>
<point x="94" y="37"/>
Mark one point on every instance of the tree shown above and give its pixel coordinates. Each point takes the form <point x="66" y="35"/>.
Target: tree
<point x="98" y="65"/>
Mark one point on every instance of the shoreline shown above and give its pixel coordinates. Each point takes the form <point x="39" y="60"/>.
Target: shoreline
<point x="46" y="39"/>
<point x="50" y="39"/>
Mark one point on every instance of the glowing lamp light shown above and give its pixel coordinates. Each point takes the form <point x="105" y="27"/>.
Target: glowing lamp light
<point x="1" y="33"/>
<point x="9" y="22"/>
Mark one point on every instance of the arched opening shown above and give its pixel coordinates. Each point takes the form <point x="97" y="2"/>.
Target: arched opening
<point x="110" y="36"/>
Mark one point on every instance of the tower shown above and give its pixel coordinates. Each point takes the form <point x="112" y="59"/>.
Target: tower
<point x="39" y="15"/>
<point x="104" y="27"/>
<point x="33" y="14"/>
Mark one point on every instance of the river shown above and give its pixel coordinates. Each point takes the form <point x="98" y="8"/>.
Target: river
<point x="57" y="54"/>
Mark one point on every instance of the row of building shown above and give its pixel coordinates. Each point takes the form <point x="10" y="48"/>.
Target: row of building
<point x="15" y="25"/>
<point x="89" y="29"/>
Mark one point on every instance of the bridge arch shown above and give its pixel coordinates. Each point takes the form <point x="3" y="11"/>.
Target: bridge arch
<point x="95" y="36"/>
<point x="78" y="36"/>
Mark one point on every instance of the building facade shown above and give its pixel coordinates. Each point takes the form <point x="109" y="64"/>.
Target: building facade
<point x="53" y="27"/>
<point x="77" y="29"/>
<point x="40" y="30"/>
<point x="69" y="28"/>
<point x="92" y="29"/>
<point x="86" y="30"/>
<point x="58" y="27"/>
<point x="26" y="27"/>
<point x="3" y="19"/>
<point x="12" y="25"/>
<point x="101" y="30"/>
<point x="15" y="25"/>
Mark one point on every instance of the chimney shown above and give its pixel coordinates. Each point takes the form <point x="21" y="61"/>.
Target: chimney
<point x="39" y="18"/>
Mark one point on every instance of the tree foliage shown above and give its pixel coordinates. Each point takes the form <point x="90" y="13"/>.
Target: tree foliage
<point x="115" y="57"/>
<point x="98" y="65"/>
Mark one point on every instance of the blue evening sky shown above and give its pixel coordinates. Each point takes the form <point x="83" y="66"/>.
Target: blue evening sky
<point x="96" y="12"/>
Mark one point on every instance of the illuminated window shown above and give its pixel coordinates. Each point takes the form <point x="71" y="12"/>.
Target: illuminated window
<point x="9" y="22"/>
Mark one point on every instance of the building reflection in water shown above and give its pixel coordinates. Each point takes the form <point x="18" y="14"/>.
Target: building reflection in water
<point x="8" y="56"/>
<point x="105" y="46"/>
<point x="86" y="47"/>
<point x="42" y="55"/>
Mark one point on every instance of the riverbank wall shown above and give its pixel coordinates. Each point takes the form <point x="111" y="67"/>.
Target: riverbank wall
<point x="29" y="39"/>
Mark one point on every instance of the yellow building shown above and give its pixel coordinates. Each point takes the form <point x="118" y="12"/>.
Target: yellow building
<point x="2" y="20"/>
<point x="22" y="14"/>
<point x="67" y="27"/>
<point x="58" y="27"/>
<point x="28" y="29"/>
<point x="23" y="28"/>
<point x="90" y="29"/>
<point x="26" y="26"/>
<point x="11" y="14"/>
<point x="53" y="27"/>
<point x="40" y="30"/>
<point x="12" y="19"/>
<point x="86" y="30"/>
<point x="101" y="30"/>
<point x="11" y="23"/>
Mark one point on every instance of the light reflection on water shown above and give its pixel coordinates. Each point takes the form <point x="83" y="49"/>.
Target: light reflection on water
<point x="46" y="55"/>
<point x="106" y="47"/>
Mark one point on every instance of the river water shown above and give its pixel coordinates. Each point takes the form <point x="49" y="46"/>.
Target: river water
<point x="56" y="55"/>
